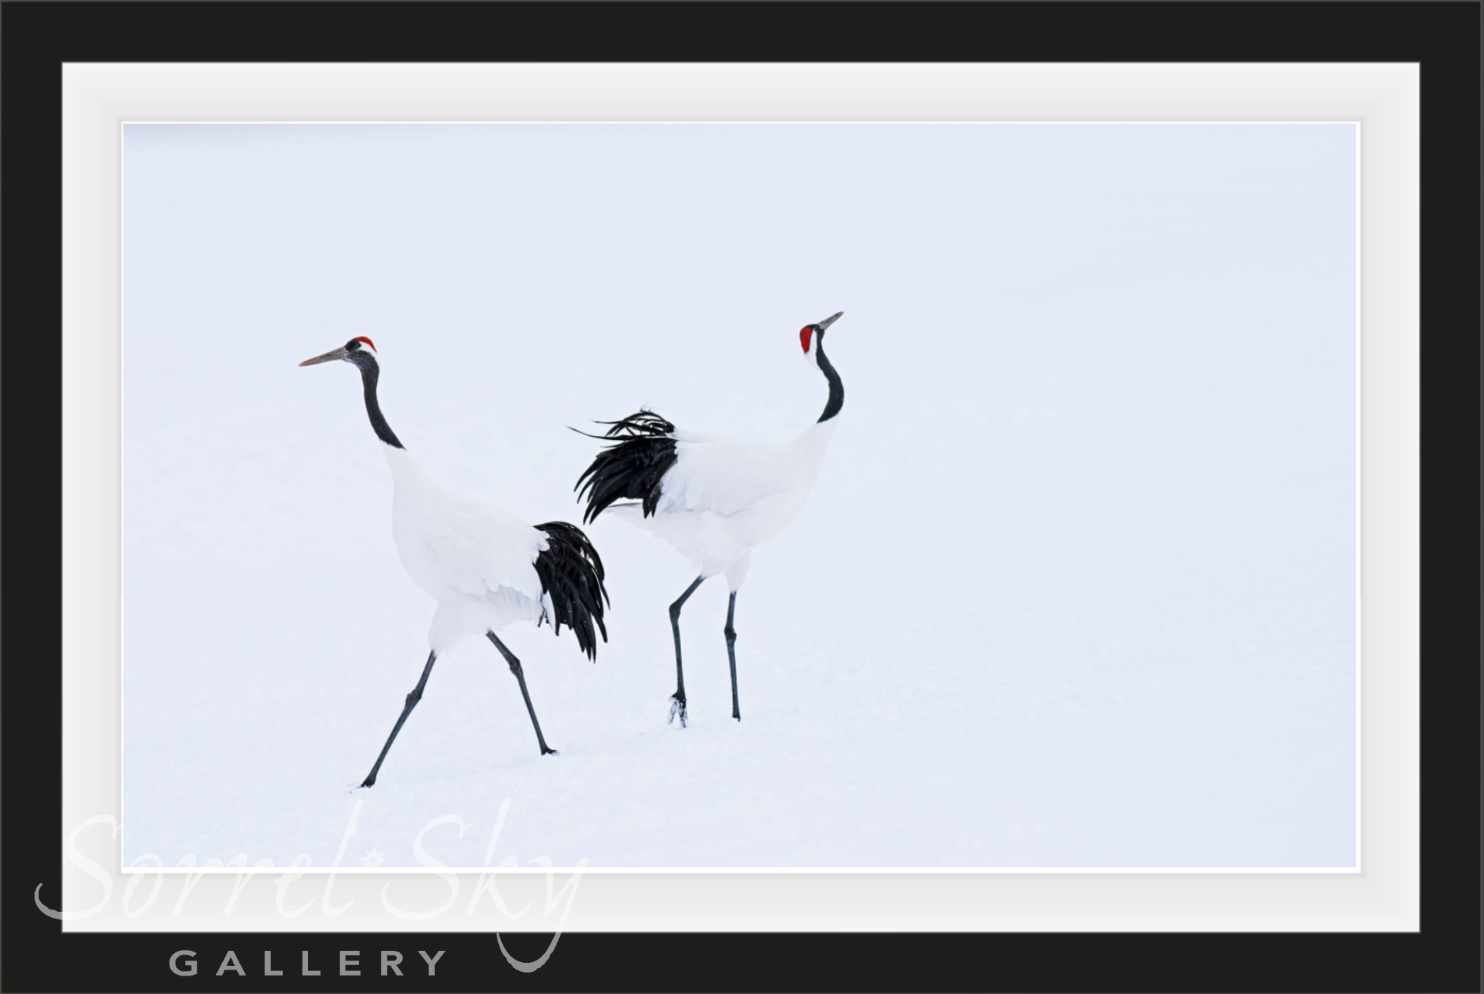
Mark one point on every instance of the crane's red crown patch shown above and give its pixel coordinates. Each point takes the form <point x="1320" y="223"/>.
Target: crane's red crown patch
<point x="805" y="333"/>
<point x="363" y="338"/>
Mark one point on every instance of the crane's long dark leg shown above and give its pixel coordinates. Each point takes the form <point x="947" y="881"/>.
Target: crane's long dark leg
<point x="521" y="677"/>
<point x="407" y="706"/>
<point x="677" y="699"/>
<point x="731" y="634"/>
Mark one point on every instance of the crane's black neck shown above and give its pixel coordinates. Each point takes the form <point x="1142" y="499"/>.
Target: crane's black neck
<point x="369" y="374"/>
<point x="837" y="389"/>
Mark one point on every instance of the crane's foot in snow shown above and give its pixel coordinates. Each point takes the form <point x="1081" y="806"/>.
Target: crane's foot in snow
<point x="677" y="707"/>
<point x="547" y="750"/>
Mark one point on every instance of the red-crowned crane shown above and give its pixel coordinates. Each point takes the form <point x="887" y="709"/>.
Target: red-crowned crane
<point x="484" y="567"/>
<point x="712" y="498"/>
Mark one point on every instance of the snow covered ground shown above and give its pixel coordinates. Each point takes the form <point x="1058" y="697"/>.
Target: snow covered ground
<point x="1075" y="587"/>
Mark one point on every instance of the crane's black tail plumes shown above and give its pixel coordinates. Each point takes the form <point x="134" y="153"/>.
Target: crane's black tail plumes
<point x="572" y="578"/>
<point x="643" y="450"/>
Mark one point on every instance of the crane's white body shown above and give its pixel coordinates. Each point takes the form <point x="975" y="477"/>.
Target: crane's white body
<point x="725" y="495"/>
<point x="474" y="560"/>
<point x="483" y="567"/>
<point x="712" y="498"/>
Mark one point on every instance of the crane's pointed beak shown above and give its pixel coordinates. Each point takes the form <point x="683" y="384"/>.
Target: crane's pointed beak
<point x="327" y="357"/>
<point x="831" y="320"/>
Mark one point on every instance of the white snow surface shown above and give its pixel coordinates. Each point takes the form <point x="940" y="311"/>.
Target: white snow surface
<point x="1075" y="586"/>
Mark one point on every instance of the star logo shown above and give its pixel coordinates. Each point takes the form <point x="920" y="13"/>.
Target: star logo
<point x="373" y="857"/>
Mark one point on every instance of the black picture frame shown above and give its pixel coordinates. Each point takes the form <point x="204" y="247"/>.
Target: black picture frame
<point x="1442" y="36"/>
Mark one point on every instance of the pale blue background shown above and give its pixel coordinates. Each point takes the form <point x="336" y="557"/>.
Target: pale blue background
<point x="1075" y="587"/>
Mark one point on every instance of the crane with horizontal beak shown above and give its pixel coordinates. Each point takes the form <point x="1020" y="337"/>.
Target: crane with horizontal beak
<point x="485" y="568"/>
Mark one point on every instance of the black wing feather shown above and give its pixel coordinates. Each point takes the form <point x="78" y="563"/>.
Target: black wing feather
<point x="632" y="468"/>
<point x="572" y="577"/>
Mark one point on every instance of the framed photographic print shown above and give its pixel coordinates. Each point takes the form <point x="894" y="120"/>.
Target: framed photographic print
<point x="943" y="510"/>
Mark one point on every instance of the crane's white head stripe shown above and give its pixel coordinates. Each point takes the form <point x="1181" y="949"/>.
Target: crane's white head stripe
<point x="809" y="338"/>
